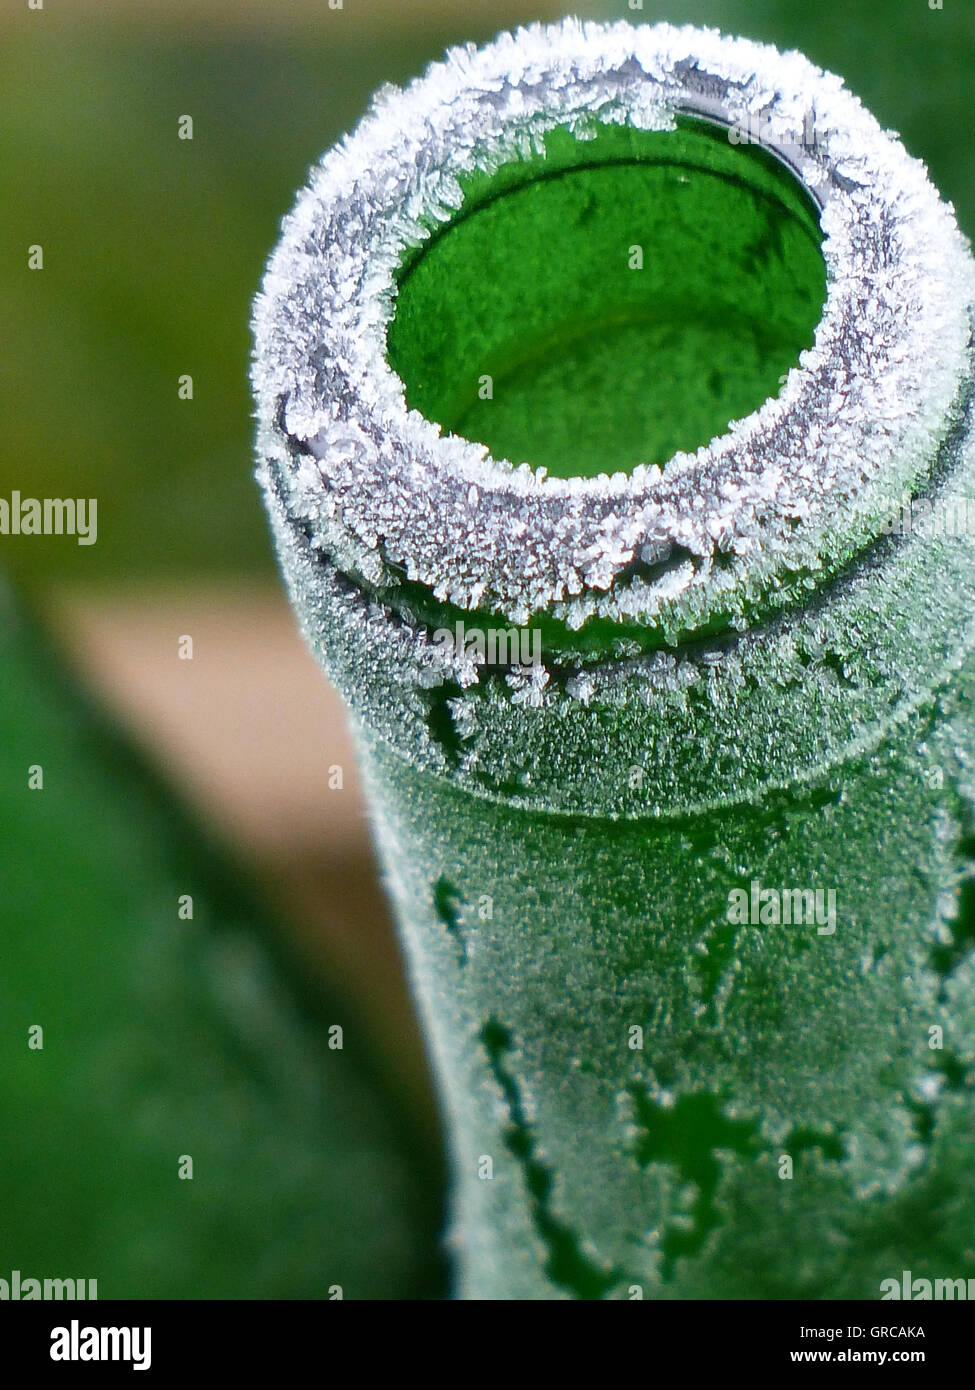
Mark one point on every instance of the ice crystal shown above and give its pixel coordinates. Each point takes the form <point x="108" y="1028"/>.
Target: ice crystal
<point x="786" y="486"/>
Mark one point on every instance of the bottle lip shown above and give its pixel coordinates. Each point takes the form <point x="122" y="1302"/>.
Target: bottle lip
<point x="787" y="496"/>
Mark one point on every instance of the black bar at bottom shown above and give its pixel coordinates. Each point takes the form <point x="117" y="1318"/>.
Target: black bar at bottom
<point x="68" y="1339"/>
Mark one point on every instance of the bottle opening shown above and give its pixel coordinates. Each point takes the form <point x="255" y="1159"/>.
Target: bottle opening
<point x="616" y="300"/>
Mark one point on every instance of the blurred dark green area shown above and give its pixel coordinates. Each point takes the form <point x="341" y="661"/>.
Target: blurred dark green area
<point x="167" y="1035"/>
<point x="154" y="246"/>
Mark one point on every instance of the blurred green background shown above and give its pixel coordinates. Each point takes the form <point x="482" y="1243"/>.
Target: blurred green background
<point x="153" y="250"/>
<point x="154" y="246"/>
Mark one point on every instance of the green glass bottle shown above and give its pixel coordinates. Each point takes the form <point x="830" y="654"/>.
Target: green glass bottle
<point x="614" y="397"/>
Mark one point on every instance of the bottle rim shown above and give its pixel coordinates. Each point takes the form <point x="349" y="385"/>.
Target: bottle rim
<point x="784" y="499"/>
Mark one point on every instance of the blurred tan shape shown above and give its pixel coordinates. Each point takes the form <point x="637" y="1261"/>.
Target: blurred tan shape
<point x="250" y="731"/>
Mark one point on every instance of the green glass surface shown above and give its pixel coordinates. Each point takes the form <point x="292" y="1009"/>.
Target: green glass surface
<point x="795" y="1118"/>
<point x="647" y="1097"/>
<point x="628" y="295"/>
<point x="651" y="1163"/>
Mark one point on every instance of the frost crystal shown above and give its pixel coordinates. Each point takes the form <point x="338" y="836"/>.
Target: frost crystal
<point x="805" y="480"/>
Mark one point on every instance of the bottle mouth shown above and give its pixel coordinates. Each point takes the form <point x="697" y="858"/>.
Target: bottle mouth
<point x="613" y="301"/>
<point x="424" y="423"/>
